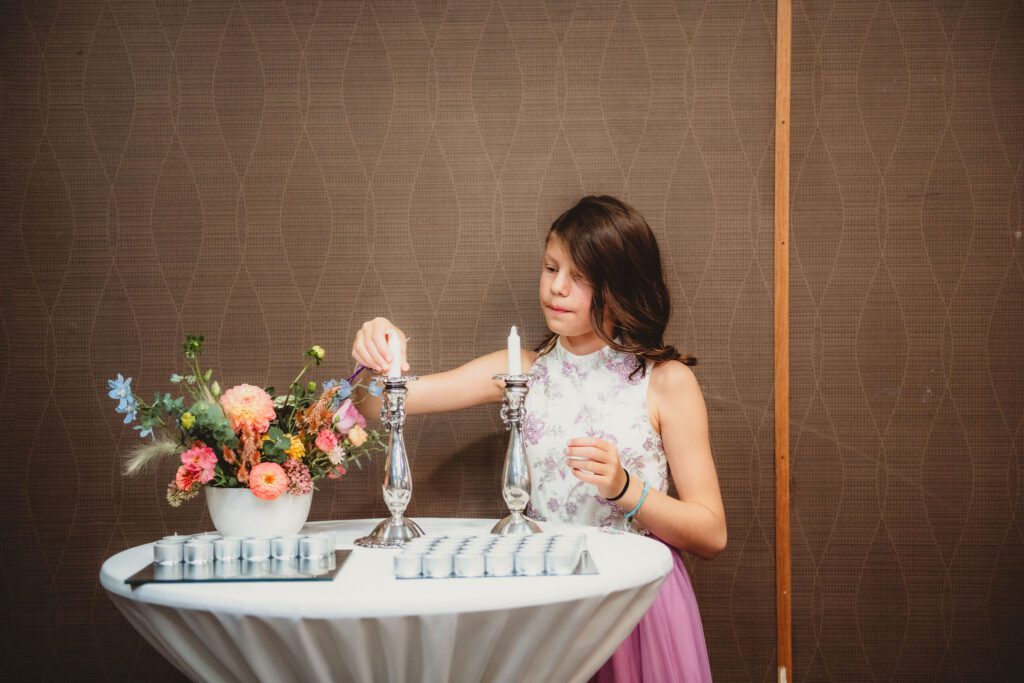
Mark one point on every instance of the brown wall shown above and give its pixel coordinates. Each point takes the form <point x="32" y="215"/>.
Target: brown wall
<point x="272" y="174"/>
<point x="907" y="374"/>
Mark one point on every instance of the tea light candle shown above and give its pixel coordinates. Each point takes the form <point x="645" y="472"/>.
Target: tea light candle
<point x="284" y="547"/>
<point x="437" y="565"/>
<point x="198" y="552"/>
<point x="408" y="565"/>
<point x="175" y="539"/>
<point x="227" y="548"/>
<point x="167" y="552"/>
<point x="561" y="562"/>
<point x="469" y="564"/>
<point x="515" y="365"/>
<point x="312" y="546"/>
<point x="529" y="562"/>
<point x="395" y="348"/>
<point x="255" y="549"/>
<point x="498" y="563"/>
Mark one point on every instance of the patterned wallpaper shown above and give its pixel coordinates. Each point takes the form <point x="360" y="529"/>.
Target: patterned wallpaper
<point x="271" y="174"/>
<point x="907" y="375"/>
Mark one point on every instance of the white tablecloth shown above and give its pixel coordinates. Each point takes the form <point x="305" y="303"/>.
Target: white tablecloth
<point x="367" y="626"/>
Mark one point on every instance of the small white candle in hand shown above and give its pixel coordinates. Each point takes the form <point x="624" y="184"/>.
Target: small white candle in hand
<point x="515" y="366"/>
<point x="394" y="346"/>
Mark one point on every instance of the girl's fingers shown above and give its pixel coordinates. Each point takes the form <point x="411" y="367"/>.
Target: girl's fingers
<point x="588" y="477"/>
<point x="377" y="362"/>
<point x="361" y="354"/>
<point x="589" y="441"/>
<point x="589" y="452"/>
<point x="590" y="467"/>
<point x="377" y="346"/>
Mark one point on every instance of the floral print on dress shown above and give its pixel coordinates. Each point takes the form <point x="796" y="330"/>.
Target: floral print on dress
<point x="591" y="395"/>
<point x="533" y="429"/>
<point x="622" y="366"/>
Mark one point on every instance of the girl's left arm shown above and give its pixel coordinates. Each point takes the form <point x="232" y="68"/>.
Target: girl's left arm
<point x="696" y="521"/>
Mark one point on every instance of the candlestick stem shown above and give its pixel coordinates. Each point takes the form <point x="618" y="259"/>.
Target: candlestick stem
<point x="396" y="530"/>
<point x="516" y="483"/>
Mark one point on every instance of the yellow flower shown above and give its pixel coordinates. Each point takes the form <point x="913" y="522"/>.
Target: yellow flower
<point x="296" y="451"/>
<point x="187" y="420"/>
<point x="316" y="352"/>
<point x="357" y="436"/>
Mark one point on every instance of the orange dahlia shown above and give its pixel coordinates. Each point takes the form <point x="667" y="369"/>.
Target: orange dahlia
<point x="268" y="480"/>
<point x="248" y="406"/>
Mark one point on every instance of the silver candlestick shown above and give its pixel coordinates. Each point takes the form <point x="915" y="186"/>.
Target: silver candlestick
<point x="515" y="476"/>
<point x="397" y="529"/>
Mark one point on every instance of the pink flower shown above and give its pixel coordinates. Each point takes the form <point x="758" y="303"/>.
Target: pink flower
<point x="268" y="480"/>
<point x="248" y="406"/>
<point x="337" y="473"/>
<point x="202" y="456"/>
<point x="187" y="476"/>
<point x="300" y="482"/>
<point x="326" y="440"/>
<point x="348" y="416"/>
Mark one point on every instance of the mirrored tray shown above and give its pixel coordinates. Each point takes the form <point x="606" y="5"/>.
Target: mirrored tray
<point x="237" y="571"/>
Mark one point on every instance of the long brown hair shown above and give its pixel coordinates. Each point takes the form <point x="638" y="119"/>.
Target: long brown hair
<point x="615" y="250"/>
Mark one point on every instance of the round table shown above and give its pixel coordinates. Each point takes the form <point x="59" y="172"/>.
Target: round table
<point x="365" y="625"/>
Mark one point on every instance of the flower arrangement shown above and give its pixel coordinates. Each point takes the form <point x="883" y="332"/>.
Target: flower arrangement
<point x="246" y="437"/>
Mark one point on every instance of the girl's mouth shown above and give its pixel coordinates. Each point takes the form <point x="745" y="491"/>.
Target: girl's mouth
<point x="556" y="309"/>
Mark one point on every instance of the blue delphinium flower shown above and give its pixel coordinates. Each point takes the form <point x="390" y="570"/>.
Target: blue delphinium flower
<point x="344" y="389"/>
<point x="129" y="410"/>
<point x="121" y="391"/>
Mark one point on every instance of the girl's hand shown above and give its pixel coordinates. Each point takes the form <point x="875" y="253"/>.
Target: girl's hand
<point x="596" y="462"/>
<point x="371" y="345"/>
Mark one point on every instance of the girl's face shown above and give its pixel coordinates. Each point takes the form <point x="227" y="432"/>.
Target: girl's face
<point x="564" y="294"/>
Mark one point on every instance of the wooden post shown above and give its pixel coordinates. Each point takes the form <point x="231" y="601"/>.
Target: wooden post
<point x="783" y="608"/>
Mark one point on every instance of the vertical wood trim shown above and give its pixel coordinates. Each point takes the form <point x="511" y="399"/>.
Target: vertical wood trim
<point x="783" y="610"/>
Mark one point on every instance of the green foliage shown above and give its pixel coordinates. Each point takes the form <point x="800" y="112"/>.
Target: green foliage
<point x="210" y="419"/>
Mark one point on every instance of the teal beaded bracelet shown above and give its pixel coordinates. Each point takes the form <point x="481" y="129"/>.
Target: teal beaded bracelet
<point x="632" y="513"/>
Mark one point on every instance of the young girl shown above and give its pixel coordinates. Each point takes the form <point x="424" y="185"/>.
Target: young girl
<point x="612" y="412"/>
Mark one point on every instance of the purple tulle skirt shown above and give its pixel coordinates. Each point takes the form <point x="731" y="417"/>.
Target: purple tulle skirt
<point x="668" y="643"/>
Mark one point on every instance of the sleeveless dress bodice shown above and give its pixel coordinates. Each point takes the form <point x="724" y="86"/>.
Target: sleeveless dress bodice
<point x="590" y="395"/>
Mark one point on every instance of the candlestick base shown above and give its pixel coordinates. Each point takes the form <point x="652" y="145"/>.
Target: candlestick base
<point x="516" y="524"/>
<point x="391" y="533"/>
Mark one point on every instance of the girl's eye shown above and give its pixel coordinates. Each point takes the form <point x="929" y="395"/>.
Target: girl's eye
<point x="550" y="269"/>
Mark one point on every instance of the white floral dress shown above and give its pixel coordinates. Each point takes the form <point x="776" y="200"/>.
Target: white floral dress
<point x="592" y="395"/>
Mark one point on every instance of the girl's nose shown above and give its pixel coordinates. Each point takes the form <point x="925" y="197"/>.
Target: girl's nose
<point x="559" y="285"/>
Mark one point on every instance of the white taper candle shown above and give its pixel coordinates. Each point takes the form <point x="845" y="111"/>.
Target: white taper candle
<point x="394" y="346"/>
<point x="515" y="365"/>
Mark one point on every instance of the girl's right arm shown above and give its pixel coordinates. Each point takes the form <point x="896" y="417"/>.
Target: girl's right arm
<point x="468" y="385"/>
